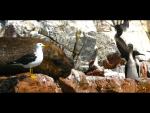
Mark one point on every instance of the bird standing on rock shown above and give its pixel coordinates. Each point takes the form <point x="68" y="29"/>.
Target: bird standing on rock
<point x="32" y="59"/>
<point x="131" y="67"/>
<point x="121" y="44"/>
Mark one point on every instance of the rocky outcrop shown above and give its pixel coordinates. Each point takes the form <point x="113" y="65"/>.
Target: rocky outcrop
<point x="78" y="39"/>
<point x="99" y="33"/>
<point x="42" y="84"/>
<point x="55" y="62"/>
<point x="113" y="61"/>
<point x="23" y="83"/>
<point x="77" y="82"/>
<point x="90" y="84"/>
<point x="64" y="32"/>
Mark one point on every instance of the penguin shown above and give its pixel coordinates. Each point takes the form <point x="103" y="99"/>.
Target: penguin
<point x="131" y="66"/>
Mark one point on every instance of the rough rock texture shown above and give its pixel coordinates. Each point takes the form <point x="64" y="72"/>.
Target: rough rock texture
<point x="113" y="60"/>
<point x="99" y="33"/>
<point x="55" y="62"/>
<point x="23" y="83"/>
<point x="77" y="82"/>
<point x="42" y="83"/>
<point x="78" y="40"/>
<point x="144" y="70"/>
<point x="89" y="84"/>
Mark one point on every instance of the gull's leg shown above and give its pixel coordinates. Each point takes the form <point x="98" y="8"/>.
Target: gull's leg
<point x="33" y="76"/>
<point x="30" y="70"/>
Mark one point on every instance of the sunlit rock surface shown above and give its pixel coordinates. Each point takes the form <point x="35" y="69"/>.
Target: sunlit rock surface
<point x="77" y="82"/>
<point x="93" y="33"/>
<point x="23" y="83"/>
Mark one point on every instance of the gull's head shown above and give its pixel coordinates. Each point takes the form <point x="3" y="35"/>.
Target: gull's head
<point x="39" y="45"/>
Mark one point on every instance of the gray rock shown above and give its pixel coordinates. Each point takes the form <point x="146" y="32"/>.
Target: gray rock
<point x="99" y="33"/>
<point x="106" y="45"/>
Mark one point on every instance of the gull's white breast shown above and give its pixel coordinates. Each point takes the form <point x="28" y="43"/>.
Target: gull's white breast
<point x="38" y="60"/>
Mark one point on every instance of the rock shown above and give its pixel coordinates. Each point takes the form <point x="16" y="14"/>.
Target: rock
<point x="76" y="82"/>
<point x="102" y="26"/>
<point x="113" y="60"/>
<point x="95" y="72"/>
<point x="106" y="44"/>
<point x="95" y="84"/>
<point x="99" y="33"/>
<point x="137" y="36"/>
<point x="23" y="28"/>
<point x="70" y="86"/>
<point x="10" y="31"/>
<point x="85" y="26"/>
<point x="7" y="84"/>
<point x="87" y="51"/>
<point x="42" y="84"/>
<point x="143" y="86"/>
<point x="148" y="71"/>
<point x="95" y="69"/>
<point x="22" y="83"/>
<point x="143" y="70"/>
<point x="123" y="85"/>
<point x="104" y="84"/>
<point x="55" y="62"/>
<point x="118" y="72"/>
<point x="64" y="32"/>
<point x="109" y="85"/>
